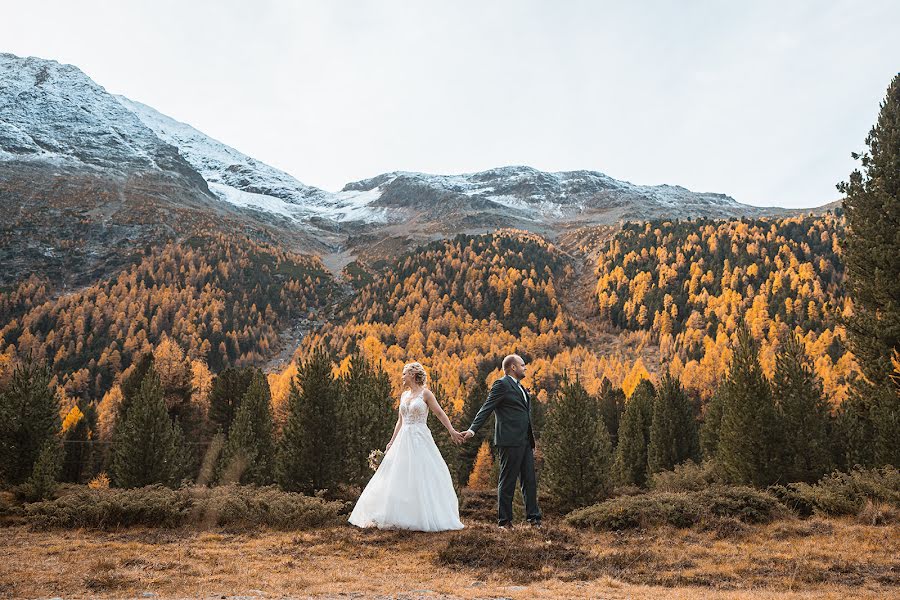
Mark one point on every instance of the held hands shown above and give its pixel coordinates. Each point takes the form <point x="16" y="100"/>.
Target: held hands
<point x="458" y="438"/>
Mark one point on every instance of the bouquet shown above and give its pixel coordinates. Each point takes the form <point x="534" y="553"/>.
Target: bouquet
<point x="375" y="457"/>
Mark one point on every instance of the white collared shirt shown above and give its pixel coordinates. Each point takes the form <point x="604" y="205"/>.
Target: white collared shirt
<point x="524" y="395"/>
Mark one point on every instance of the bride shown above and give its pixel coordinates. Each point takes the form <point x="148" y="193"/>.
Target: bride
<point x="412" y="488"/>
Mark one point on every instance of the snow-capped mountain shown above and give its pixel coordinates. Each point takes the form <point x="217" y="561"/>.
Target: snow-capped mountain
<point x="119" y="158"/>
<point x="54" y="113"/>
<point x="533" y="195"/>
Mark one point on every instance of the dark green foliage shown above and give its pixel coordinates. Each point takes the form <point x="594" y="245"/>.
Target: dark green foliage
<point x="686" y="477"/>
<point x="157" y="506"/>
<point x="804" y="413"/>
<point x="750" y="437"/>
<point x="710" y="425"/>
<point x="469" y="451"/>
<point x="367" y="415"/>
<point x="634" y="436"/>
<point x="842" y="493"/>
<point x="308" y="458"/>
<point x="612" y="407"/>
<point x="29" y="417"/>
<point x="673" y="430"/>
<point x="679" y="509"/>
<point x="145" y="449"/>
<point x="42" y="482"/>
<point x="249" y="453"/>
<point x="441" y="436"/>
<point x="576" y="448"/>
<point x="77" y="450"/>
<point x="871" y="250"/>
<point x="228" y="387"/>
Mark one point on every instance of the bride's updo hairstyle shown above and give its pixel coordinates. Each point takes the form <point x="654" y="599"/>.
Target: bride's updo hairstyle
<point x="418" y="372"/>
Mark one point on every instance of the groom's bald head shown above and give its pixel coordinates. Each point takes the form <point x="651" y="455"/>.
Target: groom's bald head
<point x="514" y="365"/>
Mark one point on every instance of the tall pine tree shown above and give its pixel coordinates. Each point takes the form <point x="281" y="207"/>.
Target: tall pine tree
<point x="634" y="436"/>
<point x="750" y="438"/>
<point x="249" y="452"/>
<point x="29" y="417"/>
<point x="870" y="252"/>
<point x="144" y="450"/>
<point x="228" y="388"/>
<point x="308" y="458"/>
<point x="367" y="415"/>
<point x="468" y="452"/>
<point x="576" y="447"/>
<point x="673" y="429"/>
<point x="804" y="413"/>
<point x="612" y="407"/>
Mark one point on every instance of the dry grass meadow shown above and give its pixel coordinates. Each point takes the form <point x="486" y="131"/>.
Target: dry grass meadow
<point x="813" y="558"/>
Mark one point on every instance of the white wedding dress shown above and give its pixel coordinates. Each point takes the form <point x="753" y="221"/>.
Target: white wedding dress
<point x="412" y="487"/>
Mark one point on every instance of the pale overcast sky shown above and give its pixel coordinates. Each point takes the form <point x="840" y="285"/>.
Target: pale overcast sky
<point x="763" y="101"/>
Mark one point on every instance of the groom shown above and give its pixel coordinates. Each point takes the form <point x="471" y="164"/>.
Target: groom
<point x="514" y="438"/>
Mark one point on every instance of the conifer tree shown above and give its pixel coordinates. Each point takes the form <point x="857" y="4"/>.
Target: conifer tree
<point x="673" y="428"/>
<point x="308" y="458"/>
<point x="576" y="448"/>
<point x="228" y="387"/>
<point x="469" y="451"/>
<point x="29" y="417"/>
<point x="76" y="449"/>
<point x="45" y="474"/>
<point x="612" y="407"/>
<point x="710" y="426"/>
<point x="871" y="248"/>
<point x="249" y="453"/>
<point x="367" y="415"/>
<point x="634" y="436"/>
<point x="750" y="438"/>
<point x="480" y="477"/>
<point x="440" y="434"/>
<point x="145" y="449"/>
<point x="804" y="413"/>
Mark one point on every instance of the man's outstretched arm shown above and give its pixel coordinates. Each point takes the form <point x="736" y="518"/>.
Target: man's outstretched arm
<point x="486" y="409"/>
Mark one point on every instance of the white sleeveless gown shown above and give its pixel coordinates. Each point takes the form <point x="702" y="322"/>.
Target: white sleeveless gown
<point x="412" y="487"/>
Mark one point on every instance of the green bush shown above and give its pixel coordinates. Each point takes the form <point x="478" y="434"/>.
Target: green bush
<point x="159" y="506"/>
<point x="841" y="493"/>
<point x="679" y="509"/>
<point x="686" y="477"/>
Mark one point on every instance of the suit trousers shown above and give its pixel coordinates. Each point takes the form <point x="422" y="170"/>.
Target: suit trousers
<point x="517" y="462"/>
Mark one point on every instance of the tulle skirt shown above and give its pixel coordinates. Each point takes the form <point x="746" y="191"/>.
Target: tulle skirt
<point x="411" y="489"/>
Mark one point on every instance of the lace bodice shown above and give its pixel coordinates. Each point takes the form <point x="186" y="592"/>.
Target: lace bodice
<point x="413" y="409"/>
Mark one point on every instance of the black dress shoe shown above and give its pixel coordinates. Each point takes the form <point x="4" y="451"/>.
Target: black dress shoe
<point x="535" y="524"/>
<point x="505" y="525"/>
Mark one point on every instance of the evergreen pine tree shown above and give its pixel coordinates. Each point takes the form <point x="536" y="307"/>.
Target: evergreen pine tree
<point x="367" y="416"/>
<point x="308" y="458"/>
<point x="468" y="452"/>
<point x="576" y="448"/>
<point x="440" y="434"/>
<point x="42" y="483"/>
<point x="612" y="407"/>
<point x="710" y="426"/>
<point x="228" y="387"/>
<point x="76" y="449"/>
<point x="870" y="252"/>
<point x="750" y="439"/>
<point x="144" y="450"/>
<point x="804" y="413"/>
<point x="673" y="428"/>
<point x="29" y="417"/>
<point x="634" y="436"/>
<point x="249" y="453"/>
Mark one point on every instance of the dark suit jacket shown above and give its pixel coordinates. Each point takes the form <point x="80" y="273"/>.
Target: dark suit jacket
<point x="512" y="425"/>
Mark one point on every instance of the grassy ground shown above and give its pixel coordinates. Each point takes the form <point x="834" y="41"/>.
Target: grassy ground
<point x="816" y="558"/>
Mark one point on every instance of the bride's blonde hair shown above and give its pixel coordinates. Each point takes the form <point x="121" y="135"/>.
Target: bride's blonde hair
<point x="418" y="372"/>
